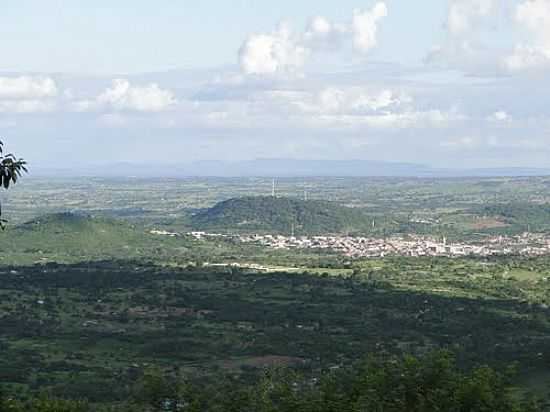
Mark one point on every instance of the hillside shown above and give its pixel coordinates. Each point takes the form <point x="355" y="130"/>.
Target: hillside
<point x="70" y="236"/>
<point x="280" y="215"/>
<point x="520" y="216"/>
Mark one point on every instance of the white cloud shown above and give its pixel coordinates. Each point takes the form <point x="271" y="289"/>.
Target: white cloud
<point x="354" y="101"/>
<point x="532" y="16"/>
<point x="26" y="94"/>
<point x="357" y="100"/>
<point x="123" y="96"/>
<point x="468" y="19"/>
<point x="390" y="120"/>
<point x="349" y="108"/>
<point x="499" y="116"/>
<point x="279" y="51"/>
<point x="463" y="15"/>
<point x="26" y="87"/>
<point x="306" y="106"/>
<point x="365" y="27"/>
<point x="322" y="34"/>
<point x="528" y="57"/>
<point x="284" y="51"/>
<point x="535" y="16"/>
<point x="467" y="46"/>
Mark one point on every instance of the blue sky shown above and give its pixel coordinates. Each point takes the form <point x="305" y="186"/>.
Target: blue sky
<point x="126" y="36"/>
<point x="457" y="82"/>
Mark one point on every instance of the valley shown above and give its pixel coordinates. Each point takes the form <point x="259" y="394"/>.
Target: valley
<point x="93" y="299"/>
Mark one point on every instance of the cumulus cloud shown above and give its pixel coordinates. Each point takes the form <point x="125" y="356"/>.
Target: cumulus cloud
<point x="365" y="26"/>
<point x="467" y="25"/>
<point x="270" y="53"/>
<point x="357" y="100"/>
<point x="352" y="108"/>
<point x="26" y="87"/>
<point x="124" y="96"/>
<point x="283" y="51"/>
<point x="305" y="105"/>
<point x="26" y="94"/>
<point x="468" y="21"/>
<point x="463" y="15"/>
<point x="322" y="34"/>
<point x="532" y="16"/>
<point x="354" y="101"/>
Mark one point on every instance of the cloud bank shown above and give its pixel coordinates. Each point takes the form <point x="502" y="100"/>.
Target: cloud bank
<point x="27" y="94"/>
<point x="123" y="96"/>
<point x="533" y="17"/>
<point x="476" y="102"/>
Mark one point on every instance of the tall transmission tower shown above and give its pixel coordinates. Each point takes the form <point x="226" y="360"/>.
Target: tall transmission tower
<point x="273" y="189"/>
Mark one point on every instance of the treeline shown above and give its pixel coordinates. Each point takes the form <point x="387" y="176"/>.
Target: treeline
<point x="434" y="383"/>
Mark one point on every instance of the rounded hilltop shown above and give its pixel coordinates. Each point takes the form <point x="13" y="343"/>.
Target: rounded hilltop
<point x="61" y="236"/>
<point x="283" y="215"/>
<point x="59" y="220"/>
<point x="67" y="222"/>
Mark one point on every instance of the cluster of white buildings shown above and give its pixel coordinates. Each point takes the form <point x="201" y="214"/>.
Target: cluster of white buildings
<point x="528" y="244"/>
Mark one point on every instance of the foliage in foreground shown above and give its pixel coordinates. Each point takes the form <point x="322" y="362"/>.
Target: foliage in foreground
<point x="11" y="168"/>
<point x="410" y="384"/>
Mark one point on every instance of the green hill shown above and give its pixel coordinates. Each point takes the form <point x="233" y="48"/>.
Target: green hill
<point x="70" y="236"/>
<point x="280" y="215"/>
<point x="67" y="222"/>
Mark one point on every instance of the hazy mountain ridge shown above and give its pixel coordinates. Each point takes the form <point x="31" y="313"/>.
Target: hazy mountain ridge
<point x="285" y="168"/>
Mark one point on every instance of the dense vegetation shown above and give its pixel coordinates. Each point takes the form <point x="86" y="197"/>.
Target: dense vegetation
<point x="431" y="384"/>
<point x="93" y="330"/>
<point x="450" y="207"/>
<point x="99" y="313"/>
<point x="520" y="216"/>
<point x="69" y="236"/>
<point x="280" y="215"/>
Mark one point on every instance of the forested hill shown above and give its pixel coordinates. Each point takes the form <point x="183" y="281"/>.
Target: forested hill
<point x="280" y="215"/>
<point x="70" y="232"/>
<point x="68" y="237"/>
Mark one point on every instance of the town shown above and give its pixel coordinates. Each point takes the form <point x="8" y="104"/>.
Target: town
<point x="526" y="244"/>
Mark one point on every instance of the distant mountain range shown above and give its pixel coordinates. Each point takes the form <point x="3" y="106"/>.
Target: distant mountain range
<point x="285" y="168"/>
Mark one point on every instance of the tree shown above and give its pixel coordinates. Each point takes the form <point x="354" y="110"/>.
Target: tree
<point x="11" y="169"/>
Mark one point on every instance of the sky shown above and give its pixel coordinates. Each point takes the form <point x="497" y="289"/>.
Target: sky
<point x="457" y="83"/>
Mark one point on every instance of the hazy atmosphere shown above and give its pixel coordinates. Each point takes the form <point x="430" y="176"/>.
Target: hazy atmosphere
<point x="460" y="84"/>
<point x="275" y="206"/>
